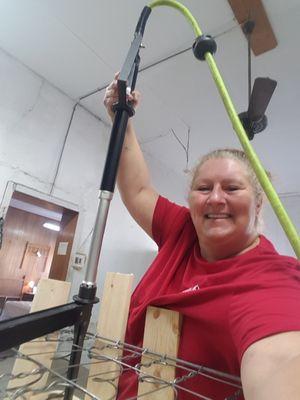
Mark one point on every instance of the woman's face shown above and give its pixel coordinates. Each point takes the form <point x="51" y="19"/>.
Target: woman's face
<point x="222" y="204"/>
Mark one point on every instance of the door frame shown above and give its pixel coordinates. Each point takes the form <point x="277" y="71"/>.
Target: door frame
<point x="60" y="262"/>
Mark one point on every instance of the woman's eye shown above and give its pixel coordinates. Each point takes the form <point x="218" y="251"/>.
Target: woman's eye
<point x="232" y="188"/>
<point x="203" y="189"/>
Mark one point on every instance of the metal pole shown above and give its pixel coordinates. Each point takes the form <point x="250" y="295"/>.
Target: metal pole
<point x="97" y="238"/>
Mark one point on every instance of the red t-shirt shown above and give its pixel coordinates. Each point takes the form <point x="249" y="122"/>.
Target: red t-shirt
<point x="226" y="305"/>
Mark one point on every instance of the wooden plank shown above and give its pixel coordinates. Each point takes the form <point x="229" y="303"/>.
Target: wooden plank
<point x="161" y="335"/>
<point x="50" y="293"/>
<point x="111" y="324"/>
<point x="262" y="38"/>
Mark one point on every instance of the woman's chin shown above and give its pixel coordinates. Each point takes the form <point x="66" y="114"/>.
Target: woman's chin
<point x="218" y="234"/>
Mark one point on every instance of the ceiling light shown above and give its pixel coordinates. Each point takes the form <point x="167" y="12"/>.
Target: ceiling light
<point x="53" y="227"/>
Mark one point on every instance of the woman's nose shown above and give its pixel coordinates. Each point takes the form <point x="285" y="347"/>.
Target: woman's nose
<point x="217" y="195"/>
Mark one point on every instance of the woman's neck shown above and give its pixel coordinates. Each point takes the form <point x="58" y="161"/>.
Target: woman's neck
<point x="225" y="250"/>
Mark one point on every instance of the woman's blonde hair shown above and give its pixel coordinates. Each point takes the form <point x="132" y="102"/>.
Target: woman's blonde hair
<point x="240" y="156"/>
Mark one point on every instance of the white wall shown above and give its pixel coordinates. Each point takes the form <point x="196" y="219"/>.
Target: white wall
<point x="34" y="117"/>
<point x="273" y="229"/>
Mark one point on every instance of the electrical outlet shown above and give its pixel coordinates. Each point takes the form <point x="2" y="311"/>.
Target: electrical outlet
<point x="79" y="261"/>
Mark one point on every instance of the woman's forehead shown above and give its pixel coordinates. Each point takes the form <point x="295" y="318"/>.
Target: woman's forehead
<point x="225" y="168"/>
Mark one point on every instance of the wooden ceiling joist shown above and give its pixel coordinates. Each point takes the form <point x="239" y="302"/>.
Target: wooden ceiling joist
<point x="262" y="37"/>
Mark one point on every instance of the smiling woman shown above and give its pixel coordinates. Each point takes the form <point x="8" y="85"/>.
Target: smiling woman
<point x="235" y="292"/>
<point x="225" y="202"/>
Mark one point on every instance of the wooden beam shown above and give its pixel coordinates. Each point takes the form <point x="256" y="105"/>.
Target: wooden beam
<point x="111" y="324"/>
<point x="262" y="38"/>
<point x="50" y="293"/>
<point x="161" y="335"/>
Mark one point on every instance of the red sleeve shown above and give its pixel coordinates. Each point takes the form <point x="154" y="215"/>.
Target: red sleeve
<point x="167" y="216"/>
<point x="269" y="305"/>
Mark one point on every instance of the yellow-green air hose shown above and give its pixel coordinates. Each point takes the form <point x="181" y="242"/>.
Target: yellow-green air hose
<point x="265" y="182"/>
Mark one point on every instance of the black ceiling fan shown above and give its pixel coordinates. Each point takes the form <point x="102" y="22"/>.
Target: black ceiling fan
<point x="254" y="119"/>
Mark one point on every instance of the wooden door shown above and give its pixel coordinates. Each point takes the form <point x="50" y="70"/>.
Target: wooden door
<point x="63" y="247"/>
<point x="34" y="261"/>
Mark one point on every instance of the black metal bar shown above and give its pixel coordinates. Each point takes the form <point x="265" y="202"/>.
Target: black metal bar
<point x="140" y="27"/>
<point x="126" y="71"/>
<point x="123" y="108"/>
<point x="16" y="331"/>
<point x="80" y="330"/>
<point x="114" y="151"/>
<point x="132" y="58"/>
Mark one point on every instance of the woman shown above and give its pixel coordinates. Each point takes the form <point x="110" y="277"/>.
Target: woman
<point x="240" y="299"/>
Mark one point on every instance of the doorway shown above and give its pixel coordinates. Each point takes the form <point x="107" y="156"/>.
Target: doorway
<point x="37" y="241"/>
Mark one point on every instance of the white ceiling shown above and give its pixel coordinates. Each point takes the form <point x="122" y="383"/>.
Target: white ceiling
<point x="77" y="45"/>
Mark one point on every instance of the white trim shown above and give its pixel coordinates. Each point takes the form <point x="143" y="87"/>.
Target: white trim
<point x="32" y="208"/>
<point x="12" y="186"/>
<point x="46" y="197"/>
<point x="6" y="198"/>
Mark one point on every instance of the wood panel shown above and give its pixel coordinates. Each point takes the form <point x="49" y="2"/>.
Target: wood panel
<point x="60" y="262"/>
<point x="161" y="335"/>
<point x="111" y="324"/>
<point x="262" y="37"/>
<point x="21" y="227"/>
<point x="11" y="288"/>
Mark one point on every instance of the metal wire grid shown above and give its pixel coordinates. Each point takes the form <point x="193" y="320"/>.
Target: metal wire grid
<point x="56" y="381"/>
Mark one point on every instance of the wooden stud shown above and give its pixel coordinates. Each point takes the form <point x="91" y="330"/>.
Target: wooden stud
<point x="50" y="293"/>
<point x="262" y="38"/>
<point x="161" y="335"/>
<point x="111" y="324"/>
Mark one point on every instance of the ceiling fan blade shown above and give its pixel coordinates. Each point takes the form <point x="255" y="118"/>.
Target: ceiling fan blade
<point x="262" y="92"/>
<point x="263" y="38"/>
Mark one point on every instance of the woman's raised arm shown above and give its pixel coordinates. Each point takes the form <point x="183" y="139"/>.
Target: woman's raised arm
<point x="133" y="178"/>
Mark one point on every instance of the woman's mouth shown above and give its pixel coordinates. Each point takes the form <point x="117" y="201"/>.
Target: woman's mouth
<point x="217" y="216"/>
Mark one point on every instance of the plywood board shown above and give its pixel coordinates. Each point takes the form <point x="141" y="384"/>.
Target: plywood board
<point x="161" y="335"/>
<point x="111" y="324"/>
